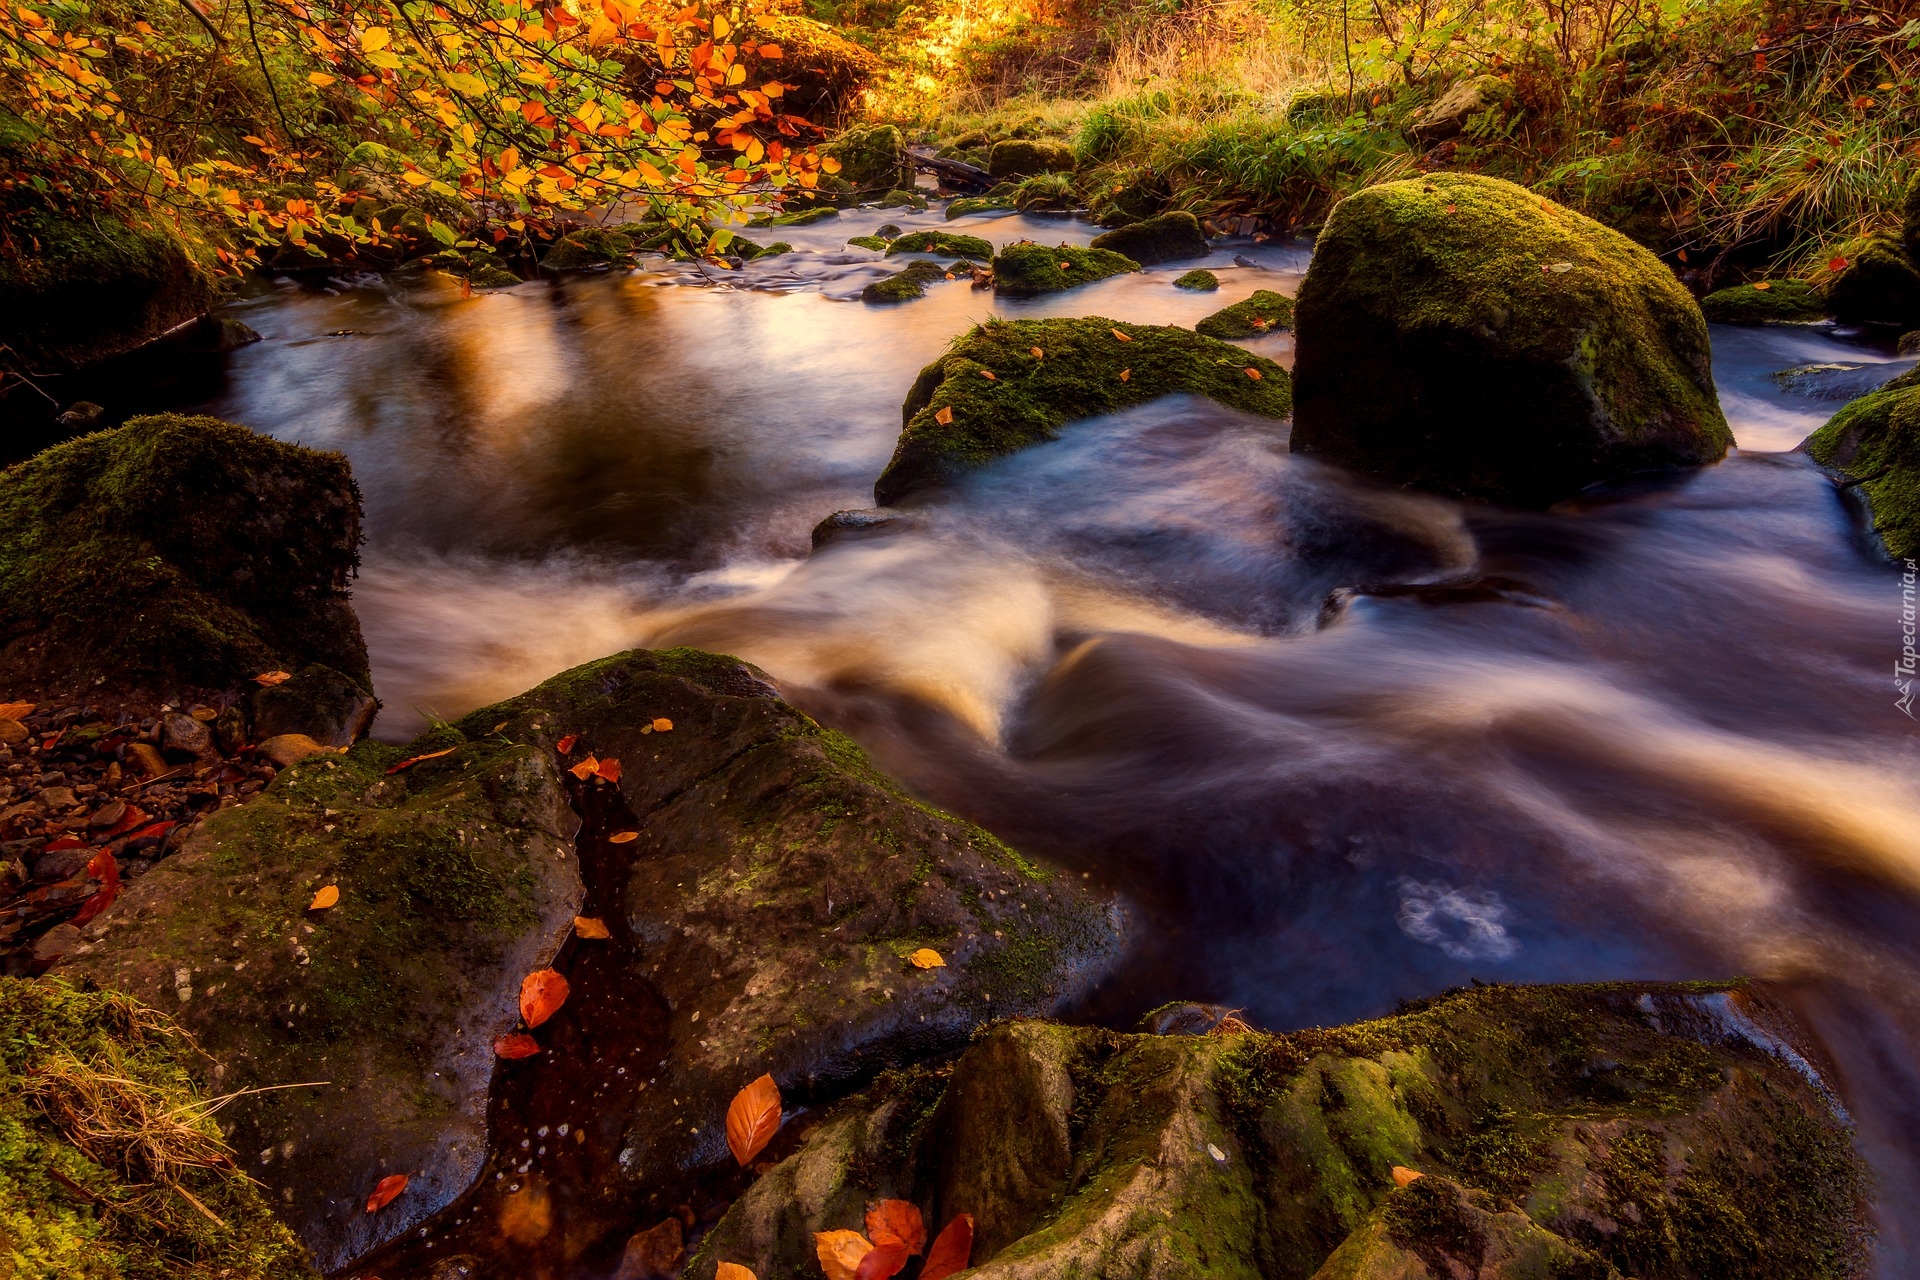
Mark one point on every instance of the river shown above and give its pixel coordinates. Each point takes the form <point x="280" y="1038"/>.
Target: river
<point x="1651" y="733"/>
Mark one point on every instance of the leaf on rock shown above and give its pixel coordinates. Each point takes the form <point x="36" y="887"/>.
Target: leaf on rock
<point x="384" y="1194"/>
<point x="271" y="678"/>
<point x="1764" y="284"/>
<point x="926" y="958"/>
<point x="663" y="725"/>
<point x="102" y="867"/>
<point x="609" y="769"/>
<point x="623" y="837"/>
<point x="590" y="927"/>
<point x="988" y="375"/>
<point x="951" y="1249"/>
<point x="542" y="992"/>
<point x="752" y="1119"/>
<point x="1038" y="354"/>
<point x="733" y="1271"/>
<point x="1405" y="1177"/>
<point x="585" y="769"/>
<point x="565" y="745"/>
<point x="897" y="1221"/>
<point x="1126" y="375"/>
<point x="132" y="818"/>
<point x="882" y="1261"/>
<point x="841" y="1253"/>
<point x="411" y="761"/>
<point x="328" y="895"/>
<point x="1255" y="374"/>
<point x="944" y="415"/>
<point x="1835" y="263"/>
<point x="1122" y="336"/>
<point x="517" y="1045"/>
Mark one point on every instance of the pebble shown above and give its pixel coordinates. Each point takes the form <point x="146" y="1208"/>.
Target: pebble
<point x="184" y="733"/>
<point x="12" y="732"/>
<point x="291" y="748"/>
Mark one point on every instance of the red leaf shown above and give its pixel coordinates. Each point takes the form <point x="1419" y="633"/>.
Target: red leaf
<point x="103" y="868"/>
<point x="951" y="1250"/>
<point x="152" y="831"/>
<point x="383" y="1195"/>
<point x="128" y="821"/>
<point x="897" y="1220"/>
<point x="565" y="745"/>
<point x="609" y="769"/>
<point x="542" y="992"/>
<point x="1836" y="263"/>
<point x="882" y="1261"/>
<point x="65" y="842"/>
<point x="752" y="1119"/>
<point x="411" y="761"/>
<point x="517" y="1045"/>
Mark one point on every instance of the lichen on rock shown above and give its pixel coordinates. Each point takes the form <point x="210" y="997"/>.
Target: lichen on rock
<point x="1078" y="373"/>
<point x="1874" y="444"/>
<point x="1781" y="302"/>
<point x="1167" y="237"/>
<point x="1263" y="312"/>
<point x="1462" y="334"/>
<point x="1025" y="269"/>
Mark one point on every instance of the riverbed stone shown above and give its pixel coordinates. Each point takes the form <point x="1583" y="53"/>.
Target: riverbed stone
<point x="1265" y="311"/>
<point x="328" y="706"/>
<point x="1167" y="237"/>
<point x="964" y="205"/>
<point x="1879" y="285"/>
<point x="1025" y="269"/>
<point x="1462" y="334"/>
<point x="875" y="159"/>
<point x="1600" y="1131"/>
<point x="904" y="285"/>
<point x="1024" y="157"/>
<point x="176" y="552"/>
<point x="1078" y="374"/>
<point x="1873" y="445"/>
<point x="945" y="243"/>
<point x="1781" y="302"/>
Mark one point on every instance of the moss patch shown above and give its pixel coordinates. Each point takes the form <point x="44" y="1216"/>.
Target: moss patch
<point x="873" y="159"/>
<point x="1782" y="301"/>
<point x="1020" y="157"/>
<point x="942" y="242"/>
<point x="1167" y="237"/>
<point x="904" y="286"/>
<point x="978" y="204"/>
<point x="1875" y="443"/>
<point x="1879" y="284"/>
<point x="1026" y="269"/>
<point x="586" y="248"/>
<point x="1264" y="312"/>
<point x="874" y="243"/>
<point x="1199" y="279"/>
<point x="804" y="217"/>
<point x="1077" y="375"/>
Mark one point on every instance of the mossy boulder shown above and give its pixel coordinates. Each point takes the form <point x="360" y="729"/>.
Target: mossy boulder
<point x="81" y="1198"/>
<point x="1590" y="1132"/>
<point x="1022" y="157"/>
<point x="1168" y="237"/>
<point x="1135" y="198"/>
<point x="1461" y="334"/>
<point x="316" y="702"/>
<point x="587" y="248"/>
<point x="873" y="159"/>
<point x="904" y="286"/>
<point x="875" y="243"/>
<point x="1910" y="219"/>
<point x="965" y="205"/>
<point x="903" y="200"/>
<point x="1453" y="111"/>
<point x="1264" y="312"/>
<point x="945" y="243"/>
<point x="1874" y="443"/>
<point x="74" y="290"/>
<point x="1199" y="280"/>
<point x="1076" y="375"/>
<point x="1025" y="270"/>
<point x="1879" y="284"/>
<point x="1781" y="302"/>
<point x="176" y="551"/>
<point x="804" y="217"/>
<point x="1047" y="193"/>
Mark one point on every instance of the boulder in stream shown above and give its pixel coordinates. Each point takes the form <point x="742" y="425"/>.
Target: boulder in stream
<point x="1166" y="237"/>
<point x="1462" y="334"/>
<point x="906" y="285"/>
<point x="1005" y="385"/>
<point x="1879" y="285"/>
<point x="945" y="243"/>
<point x="1779" y="302"/>
<point x="1873" y="444"/>
<point x="1605" y="1131"/>
<point x="1263" y="312"/>
<point x="1024" y="157"/>
<point x="1025" y="269"/>
<point x="875" y="159"/>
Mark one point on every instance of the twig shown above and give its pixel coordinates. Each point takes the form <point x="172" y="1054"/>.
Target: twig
<point x="204" y="20"/>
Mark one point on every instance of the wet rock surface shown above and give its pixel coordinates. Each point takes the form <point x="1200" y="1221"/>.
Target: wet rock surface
<point x="1167" y="237"/>
<point x="1026" y="269"/>
<point x="1873" y="445"/>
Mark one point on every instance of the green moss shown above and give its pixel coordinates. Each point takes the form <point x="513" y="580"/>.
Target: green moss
<point x="1077" y="375"/>
<point x="585" y="248"/>
<point x="100" y="1212"/>
<point x="978" y="204"/>
<point x="178" y="549"/>
<point x="775" y="249"/>
<point x="1782" y="301"/>
<point x="1875" y="443"/>
<point x="874" y="243"/>
<point x="1199" y="280"/>
<point x="1879" y="284"/>
<point x="1046" y="193"/>
<point x="805" y="217"/>
<point x="1018" y="157"/>
<point x="1264" y="312"/>
<point x="873" y="159"/>
<point x="1165" y="238"/>
<point x="904" y="286"/>
<point x="942" y="242"/>
<point x="1910" y="219"/>
<point x="903" y="200"/>
<point x="1026" y="269"/>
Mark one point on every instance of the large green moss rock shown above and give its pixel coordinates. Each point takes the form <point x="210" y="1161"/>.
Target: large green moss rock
<point x="1910" y="219"/>
<point x="76" y="290"/>
<point x="873" y="159"/>
<point x="1879" y="284"/>
<point x="1021" y="157"/>
<point x="1025" y="270"/>
<point x="587" y="248"/>
<point x="1166" y="238"/>
<point x="1263" y="312"/>
<point x="1781" y="302"/>
<point x="1573" y="1132"/>
<point x="80" y="1199"/>
<point x="1200" y="280"/>
<point x="947" y="243"/>
<point x="904" y="286"/>
<point x="1461" y="334"/>
<point x="176" y="551"/>
<point x="965" y="205"/>
<point x="1077" y="374"/>
<point x="1874" y="443"/>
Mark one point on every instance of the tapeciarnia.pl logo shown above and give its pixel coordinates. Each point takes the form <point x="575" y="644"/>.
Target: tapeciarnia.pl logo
<point x="1903" y="670"/>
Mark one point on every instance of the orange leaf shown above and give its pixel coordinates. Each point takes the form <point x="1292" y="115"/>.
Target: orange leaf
<point x="663" y="725"/>
<point x="383" y="1195"/>
<point x="565" y="745"/>
<point x="517" y="1045"/>
<point x="841" y="1253"/>
<point x="1255" y="374"/>
<point x="1764" y="284"/>
<point x="944" y="415"/>
<point x="882" y="1261"/>
<point x="271" y="678"/>
<point x="1066" y="266"/>
<point x="411" y="761"/>
<point x="1123" y="337"/>
<point x="771" y="51"/>
<point x="623" y="837"/>
<point x="898" y="1221"/>
<point x="733" y="1271"/>
<point x="988" y="375"/>
<point x="1405" y="1177"/>
<point x="926" y="958"/>
<point x="15" y="710"/>
<point x="328" y="895"/>
<point x="585" y="769"/>
<point x="542" y="992"/>
<point x="590" y="927"/>
<point x="951" y="1250"/>
<point x="752" y="1120"/>
<point x="1126" y="375"/>
<point x="1038" y="354"/>
<point x="609" y="769"/>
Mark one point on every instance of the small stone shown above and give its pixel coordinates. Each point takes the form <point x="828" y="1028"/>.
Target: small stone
<point x="56" y="798"/>
<point x="108" y="814"/>
<point x="12" y="732"/>
<point x="653" y="1254"/>
<point x="291" y="748"/>
<point x="81" y="413"/>
<point x="147" y="759"/>
<point x="185" y="735"/>
<point x="61" y="864"/>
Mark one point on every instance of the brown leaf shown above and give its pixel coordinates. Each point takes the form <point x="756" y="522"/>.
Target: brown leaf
<point x="898" y="1221"/>
<point x="1764" y="284"/>
<point x="590" y="927"/>
<point x="328" y="895"/>
<point x="15" y="710"/>
<point x="586" y="768"/>
<point x="663" y="725"/>
<point x="841" y="1253"/>
<point x="565" y="745"/>
<point x="272" y="678"/>
<point x="951" y="1249"/>
<point x="411" y="761"/>
<point x="882" y="1261"/>
<point x="542" y="992"/>
<point x="926" y="958"/>
<point x="1255" y="374"/>
<point x="752" y="1120"/>
<point x="733" y="1271"/>
<point x="517" y="1045"/>
<point x="383" y="1195"/>
<point x="623" y="837"/>
<point x="944" y="415"/>
<point x="1123" y="337"/>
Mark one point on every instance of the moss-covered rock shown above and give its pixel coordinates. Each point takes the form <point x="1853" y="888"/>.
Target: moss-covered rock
<point x="1910" y="219"/>
<point x="1461" y="334"/>
<point x="1264" y="312"/>
<point x="1020" y="158"/>
<point x="965" y="205"/>
<point x="1781" y="302"/>
<point x="1165" y="238"/>
<point x="774" y="250"/>
<point x="1077" y="374"/>
<point x="1455" y="110"/>
<point x="874" y="243"/>
<point x="904" y="286"/>
<point x="587" y="248"/>
<point x="1135" y="197"/>
<point x="1024" y="270"/>
<point x="176" y="551"/>
<point x="1586" y="1133"/>
<point x="804" y="217"/>
<point x="1047" y="193"/>
<point x="1874" y="443"/>
<point x="945" y="243"/>
<point x="873" y="159"/>
<point x="1200" y="280"/>
<point x="76" y="290"/>
<point x="903" y="200"/>
<point x="316" y="702"/>
<point x="82" y="1196"/>
<point x="1879" y="284"/>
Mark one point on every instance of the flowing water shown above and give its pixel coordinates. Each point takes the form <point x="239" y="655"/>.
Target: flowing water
<point x="1335" y="746"/>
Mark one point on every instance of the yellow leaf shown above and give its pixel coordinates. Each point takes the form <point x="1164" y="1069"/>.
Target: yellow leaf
<point x="1126" y="375"/>
<point x="271" y="678"/>
<point x="1123" y="337"/>
<point x="414" y="178"/>
<point x="15" y="710"/>
<point x="590" y="927"/>
<point x="721" y="27"/>
<point x="585" y="769"/>
<point x="374" y="39"/>
<point x="840" y="1252"/>
<point x="829" y="165"/>
<point x="733" y="1271"/>
<point x="944" y="415"/>
<point x="319" y="79"/>
<point x="926" y="958"/>
<point x="325" y="898"/>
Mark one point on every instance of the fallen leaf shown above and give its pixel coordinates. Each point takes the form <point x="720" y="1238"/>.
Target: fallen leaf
<point x="102" y="867"/>
<point x="64" y="842"/>
<point x="542" y="992"/>
<point x="411" y="761"/>
<point x="205" y="715"/>
<point x="1835" y="263"/>
<point x="1453" y="208"/>
<point x="1764" y="284"/>
<point x="841" y="1253"/>
<point x="944" y="415"/>
<point x="590" y="927"/>
<point x="988" y="375"/>
<point x="609" y="769"/>
<point x="623" y="837"/>
<point x="897" y="1221"/>
<point x="1126" y="375"/>
<point x="663" y="725"/>
<point x="752" y="1119"/>
<point x="1219" y="1156"/>
<point x="517" y="1045"/>
<point x="132" y="818"/>
<point x="1405" y="1177"/>
<point x="271" y="678"/>
<point x="15" y="710"/>
<point x="733" y="1271"/>
<point x="1561" y="268"/>
<point x="152" y="831"/>
<point x="926" y="958"/>
<point x="1255" y="374"/>
<point x="565" y="745"/>
<point x="585" y="769"/>
<point x="328" y="895"/>
<point x="383" y="1195"/>
<point x="951" y="1249"/>
<point x="882" y="1262"/>
<point x="1038" y="354"/>
<point x="1123" y="337"/>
